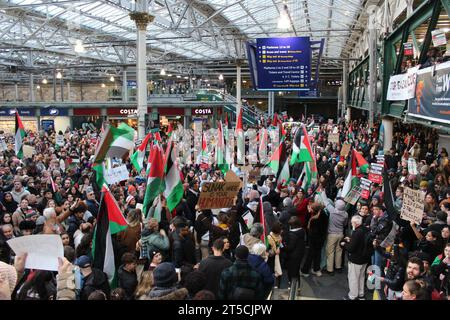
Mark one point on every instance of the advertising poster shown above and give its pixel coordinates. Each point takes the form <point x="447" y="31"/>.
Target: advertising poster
<point x="432" y="94"/>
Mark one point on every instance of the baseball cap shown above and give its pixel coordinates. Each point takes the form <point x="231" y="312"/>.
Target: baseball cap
<point x="83" y="262"/>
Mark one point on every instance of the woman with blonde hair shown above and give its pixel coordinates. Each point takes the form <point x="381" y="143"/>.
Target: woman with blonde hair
<point x="146" y="284"/>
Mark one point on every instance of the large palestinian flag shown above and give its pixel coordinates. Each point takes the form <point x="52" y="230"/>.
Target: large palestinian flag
<point x="155" y="178"/>
<point x="352" y="176"/>
<point x="137" y="159"/>
<point x="19" y="135"/>
<point x="109" y="222"/>
<point x="115" y="143"/>
<point x="220" y="150"/>
<point x="173" y="191"/>
<point x="301" y="149"/>
<point x="240" y="140"/>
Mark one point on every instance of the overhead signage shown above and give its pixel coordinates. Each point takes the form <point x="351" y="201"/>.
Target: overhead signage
<point x="202" y="111"/>
<point x="26" y="112"/>
<point x="402" y="86"/>
<point x="54" y="112"/>
<point x="283" y="64"/>
<point x="432" y="94"/>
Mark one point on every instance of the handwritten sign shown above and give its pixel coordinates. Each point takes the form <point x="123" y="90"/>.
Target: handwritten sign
<point x="216" y="195"/>
<point x="345" y="149"/>
<point x="60" y="140"/>
<point x="353" y="196"/>
<point x="380" y="158"/>
<point x="413" y="205"/>
<point x="116" y="174"/>
<point x="43" y="250"/>
<point x="333" y="138"/>
<point x="376" y="173"/>
<point x="28" y="151"/>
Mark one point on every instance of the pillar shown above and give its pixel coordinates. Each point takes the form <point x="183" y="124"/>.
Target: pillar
<point x="32" y="96"/>
<point x="372" y="70"/>
<point x="68" y="90"/>
<point x="124" y="86"/>
<point x="238" y="86"/>
<point x="54" y="85"/>
<point x="37" y="112"/>
<point x="345" y="109"/>
<point x="62" y="89"/>
<point x="142" y="19"/>
<point x="388" y="125"/>
<point x="187" y="117"/>
<point x="16" y="92"/>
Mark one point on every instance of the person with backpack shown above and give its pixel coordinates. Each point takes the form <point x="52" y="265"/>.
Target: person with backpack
<point x="240" y="281"/>
<point x="380" y="227"/>
<point x="357" y="259"/>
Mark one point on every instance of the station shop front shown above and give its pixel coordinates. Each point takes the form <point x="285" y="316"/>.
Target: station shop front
<point x="55" y="118"/>
<point x="87" y="118"/>
<point x="8" y="120"/>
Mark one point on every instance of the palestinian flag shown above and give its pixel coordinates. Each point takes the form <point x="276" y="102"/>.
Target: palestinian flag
<point x="308" y="177"/>
<point x="362" y="163"/>
<point x="99" y="169"/>
<point x="156" y="209"/>
<point x="275" y="120"/>
<point x="204" y="154"/>
<point x="352" y="177"/>
<point x="53" y="184"/>
<point x="169" y="130"/>
<point x="109" y="222"/>
<point x="240" y="140"/>
<point x="284" y="176"/>
<point x="282" y="131"/>
<point x="115" y="143"/>
<point x="155" y="178"/>
<point x="20" y="135"/>
<point x="173" y="191"/>
<point x="301" y="151"/>
<point x="274" y="161"/>
<point x="220" y="150"/>
<point x="137" y="159"/>
<point x="263" y="141"/>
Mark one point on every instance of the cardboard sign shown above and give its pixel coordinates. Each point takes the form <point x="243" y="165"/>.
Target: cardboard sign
<point x="117" y="174"/>
<point x="413" y="205"/>
<point x="60" y="140"/>
<point x="439" y="38"/>
<point x="345" y="149"/>
<point x="254" y="175"/>
<point x="28" y="151"/>
<point x="353" y="196"/>
<point x="333" y="138"/>
<point x="216" y="195"/>
<point x="380" y="158"/>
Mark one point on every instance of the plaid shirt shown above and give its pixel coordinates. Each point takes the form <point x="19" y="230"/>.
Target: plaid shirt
<point x="240" y="274"/>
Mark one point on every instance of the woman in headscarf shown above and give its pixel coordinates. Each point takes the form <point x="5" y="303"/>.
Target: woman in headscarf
<point x="9" y="203"/>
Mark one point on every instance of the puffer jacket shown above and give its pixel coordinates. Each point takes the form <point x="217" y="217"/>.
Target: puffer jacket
<point x="338" y="216"/>
<point x="154" y="241"/>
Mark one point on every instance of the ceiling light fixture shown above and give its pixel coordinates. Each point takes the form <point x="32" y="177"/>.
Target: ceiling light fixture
<point x="59" y="75"/>
<point x="103" y="85"/>
<point x="44" y="81"/>
<point x="163" y="72"/>
<point x="283" y="20"/>
<point x="38" y="87"/>
<point x="221" y="77"/>
<point x="178" y="76"/>
<point x="112" y="79"/>
<point x="79" y="48"/>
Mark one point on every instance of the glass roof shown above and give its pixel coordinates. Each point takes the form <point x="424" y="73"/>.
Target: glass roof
<point x="174" y="30"/>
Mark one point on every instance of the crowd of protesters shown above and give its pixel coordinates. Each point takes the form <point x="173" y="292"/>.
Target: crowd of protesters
<point x="214" y="254"/>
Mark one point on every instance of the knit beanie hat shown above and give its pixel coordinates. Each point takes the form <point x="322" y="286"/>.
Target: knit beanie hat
<point x="129" y="198"/>
<point x="10" y="273"/>
<point x="165" y="275"/>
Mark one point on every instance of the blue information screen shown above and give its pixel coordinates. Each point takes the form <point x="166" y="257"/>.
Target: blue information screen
<point x="283" y="64"/>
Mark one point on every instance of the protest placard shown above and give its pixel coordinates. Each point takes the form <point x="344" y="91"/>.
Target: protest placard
<point x="43" y="250"/>
<point x="60" y="140"/>
<point x="28" y="151"/>
<point x="412" y="166"/>
<point x="380" y="158"/>
<point x="116" y="174"/>
<point x="365" y="188"/>
<point x="376" y="173"/>
<point x="220" y="194"/>
<point x="353" y="196"/>
<point x="345" y="149"/>
<point x="413" y="205"/>
<point x="333" y="138"/>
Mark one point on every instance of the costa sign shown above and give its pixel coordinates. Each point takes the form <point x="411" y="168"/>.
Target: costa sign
<point x="202" y="111"/>
<point x="128" y="111"/>
<point x="121" y="112"/>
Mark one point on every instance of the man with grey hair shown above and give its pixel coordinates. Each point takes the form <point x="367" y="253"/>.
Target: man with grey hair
<point x="287" y="212"/>
<point x="252" y="238"/>
<point x="357" y="260"/>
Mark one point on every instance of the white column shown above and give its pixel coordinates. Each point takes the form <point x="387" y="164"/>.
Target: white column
<point x="142" y="19"/>
<point x="372" y="69"/>
<point x="68" y="90"/>
<point x="388" y="125"/>
<point x="32" y="99"/>
<point x="345" y="108"/>
<point x="238" y="87"/>
<point x="124" y="86"/>
<point x="16" y="91"/>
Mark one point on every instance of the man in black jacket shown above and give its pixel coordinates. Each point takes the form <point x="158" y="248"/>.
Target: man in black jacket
<point x="213" y="266"/>
<point x="127" y="275"/>
<point x="93" y="278"/>
<point x="357" y="260"/>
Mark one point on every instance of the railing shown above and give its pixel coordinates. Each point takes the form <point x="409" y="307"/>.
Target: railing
<point x="294" y="289"/>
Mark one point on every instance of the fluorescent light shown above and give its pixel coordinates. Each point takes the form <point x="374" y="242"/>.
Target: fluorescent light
<point x="244" y="81"/>
<point x="59" y="75"/>
<point x="186" y="78"/>
<point x="79" y="48"/>
<point x="169" y="75"/>
<point x="111" y="79"/>
<point x="259" y="102"/>
<point x="178" y="76"/>
<point x="163" y="72"/>
<point x="194" y="78"/>
<point x="283" y="19"/>
<point x="44" y="81"/>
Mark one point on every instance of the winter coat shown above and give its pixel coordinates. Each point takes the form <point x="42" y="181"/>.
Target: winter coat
<point x="260" y="265"/>
<point x="294" y="248"/>
<point x="183" y="251"/>
<point x="167" y="294"/>
<point x="270" y="218"/>
<point x="97" y="280"/>
<point x="285" y="215"/>
<point x="355" y="247"/>
<point x="130" y="236"/>
<point x="154" y="241"/>
<point x="212" y="267"/>
<point x="128" y="282"/>
<point x="380" y="227"/>
<point x="338" y="216"/>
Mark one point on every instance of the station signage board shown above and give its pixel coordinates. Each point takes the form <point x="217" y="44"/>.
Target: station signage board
<point x="202" y="111"/>
<point x="10" y="112"/>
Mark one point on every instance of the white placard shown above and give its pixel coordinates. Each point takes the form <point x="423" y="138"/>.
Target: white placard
<point x="43" y="250"/>
<point x="60" y="140"/>
<point x="413" y="205"/>
<point x="412" y="166"/>
<point x="439" y="38"/>
<point x="117" y="174"/>
<point x="402" y="86"/>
